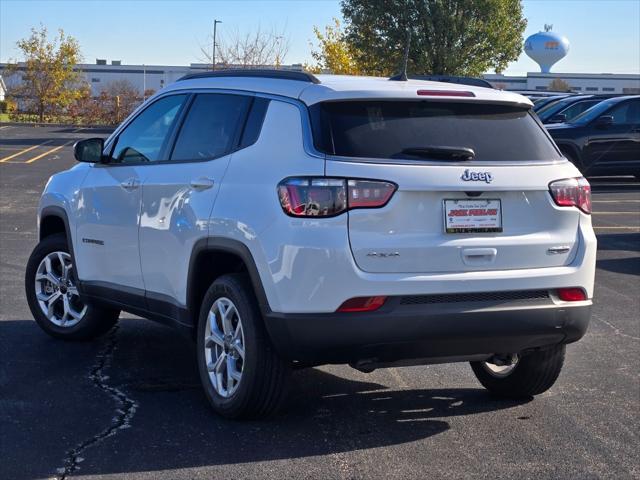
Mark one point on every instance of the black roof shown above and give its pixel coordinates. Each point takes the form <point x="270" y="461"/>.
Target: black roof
<point x="255" y="73"/>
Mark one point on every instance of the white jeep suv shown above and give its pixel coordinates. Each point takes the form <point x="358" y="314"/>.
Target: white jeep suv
<point x="288" y="220"/>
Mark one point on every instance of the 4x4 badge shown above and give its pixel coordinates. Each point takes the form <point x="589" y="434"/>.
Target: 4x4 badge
<point x="468" y="176"/>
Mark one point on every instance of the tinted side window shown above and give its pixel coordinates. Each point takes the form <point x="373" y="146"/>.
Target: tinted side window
<point x="143" y="139"/>
<point x="212" y="126"/>
<point x="627" y="113"/>
<point x="577" y="108"/>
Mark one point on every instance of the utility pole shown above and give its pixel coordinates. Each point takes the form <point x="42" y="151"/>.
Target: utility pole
<point x="213" y="57"/>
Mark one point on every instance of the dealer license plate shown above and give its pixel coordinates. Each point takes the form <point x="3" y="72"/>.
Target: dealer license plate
<point x="472" y="216"/>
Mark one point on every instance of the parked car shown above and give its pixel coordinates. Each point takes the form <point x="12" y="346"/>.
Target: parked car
<point x="568" y="108"/>
<point x="286" y="220"/>
<point x="531" y="94"/>
<point x="542" y="102"/>
<point x="603" y="140"/>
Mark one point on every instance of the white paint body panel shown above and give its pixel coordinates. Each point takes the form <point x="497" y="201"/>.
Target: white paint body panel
<point x="307" y="265"/>
<point x="174" y="216"/>
<point x="109" y="213"/>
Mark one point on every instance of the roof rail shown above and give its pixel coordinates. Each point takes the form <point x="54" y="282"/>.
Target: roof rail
<point x="256" y="73"/>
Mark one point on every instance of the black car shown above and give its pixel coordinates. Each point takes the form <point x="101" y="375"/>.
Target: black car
<point x="568" y="108"/>
<point x="604" y="140"/>
<point x="543" y="102"/>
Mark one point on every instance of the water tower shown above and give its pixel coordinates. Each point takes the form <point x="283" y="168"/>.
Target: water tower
<point x="546" y="48"/>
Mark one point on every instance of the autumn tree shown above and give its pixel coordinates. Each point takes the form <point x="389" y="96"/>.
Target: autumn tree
<point x="447" y="37"/>
<point x="559" y="85"/>
<point x="335" y="54"/>
<point x="250" y="49"/>
<point x="122" y="98"/>
<point x="49" y="79"/>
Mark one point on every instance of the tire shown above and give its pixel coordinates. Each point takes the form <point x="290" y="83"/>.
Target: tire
<point x="533" y="374"/>
<point x="262" y="385"/>
<point x="70" y="318"/>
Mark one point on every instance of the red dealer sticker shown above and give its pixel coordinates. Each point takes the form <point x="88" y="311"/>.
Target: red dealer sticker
<point x="473" y="216"/>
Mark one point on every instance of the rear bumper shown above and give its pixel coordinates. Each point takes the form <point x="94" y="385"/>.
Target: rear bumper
<point x="404" y="332"/>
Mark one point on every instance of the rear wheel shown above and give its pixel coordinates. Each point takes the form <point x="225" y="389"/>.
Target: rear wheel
<point x="53" y="298"/>
<point x="241" y="373"/>
<point x="529" y="375"/>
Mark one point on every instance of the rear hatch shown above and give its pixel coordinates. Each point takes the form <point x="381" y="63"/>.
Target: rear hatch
<point x="473" y="185"/>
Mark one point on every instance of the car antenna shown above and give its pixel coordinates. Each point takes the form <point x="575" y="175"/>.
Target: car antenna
<point x="402" y="76"/>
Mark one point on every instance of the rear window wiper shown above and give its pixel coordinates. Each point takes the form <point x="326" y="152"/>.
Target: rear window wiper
<point x="441" y="152"/>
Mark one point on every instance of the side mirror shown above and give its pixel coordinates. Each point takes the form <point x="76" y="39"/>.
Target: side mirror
<point x="558" y="118"/>
<point x="89" y="150"/>
<point x="604" y="121"/>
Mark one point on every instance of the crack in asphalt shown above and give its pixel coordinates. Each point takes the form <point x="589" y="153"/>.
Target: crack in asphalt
<point x="615" y="329"/>
<point x="125" y="407"/>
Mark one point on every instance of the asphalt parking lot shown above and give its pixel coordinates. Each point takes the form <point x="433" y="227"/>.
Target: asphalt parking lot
<point x="129" y="405"/>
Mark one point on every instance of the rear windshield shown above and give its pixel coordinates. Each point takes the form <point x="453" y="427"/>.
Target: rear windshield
<point x="386" y="129"/>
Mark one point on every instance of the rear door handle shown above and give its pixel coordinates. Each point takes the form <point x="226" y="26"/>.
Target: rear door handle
<point x="201" y="183"/>
<point x="130" y="184"/>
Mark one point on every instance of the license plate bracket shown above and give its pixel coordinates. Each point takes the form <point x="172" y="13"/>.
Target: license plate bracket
<point x="476" y="215"/>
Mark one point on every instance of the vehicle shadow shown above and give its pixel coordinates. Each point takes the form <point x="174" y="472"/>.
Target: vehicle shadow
<point x="629" y="266"/>
<point x="173" y="426"/>
<point x="629" y="242"/>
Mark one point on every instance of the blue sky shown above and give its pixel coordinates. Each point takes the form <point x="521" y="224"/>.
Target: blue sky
<point x="604" y="34"/>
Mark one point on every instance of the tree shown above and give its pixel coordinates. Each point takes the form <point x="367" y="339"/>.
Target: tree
<point x="335" y="54"/>
<point x="448" y="37"/>
<point x="252" y="49"/>
<point x="49" y="79"/>
<point x="559" y="85"/>
<point x="121" y="97"/>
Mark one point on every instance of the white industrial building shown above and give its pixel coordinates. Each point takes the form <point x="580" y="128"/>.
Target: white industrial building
<point x="141" y="77"/>
<point x="579" y="82"/>
<point x="155" y="77"/>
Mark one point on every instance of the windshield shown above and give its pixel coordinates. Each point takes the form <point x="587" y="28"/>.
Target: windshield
<point x="552" y="109"/>
<point x="593" y="113"/>
<point x="418" y="130"/>
<point x="546" y="102"/>
<point x="570" y="108"/>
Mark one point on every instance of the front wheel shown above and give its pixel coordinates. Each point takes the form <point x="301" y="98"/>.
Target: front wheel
<point x="529" y="375"/>
<point x="241" y="373"/>
<point x="53" y="298"/>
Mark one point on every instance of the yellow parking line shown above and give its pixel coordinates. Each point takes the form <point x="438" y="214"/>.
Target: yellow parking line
<point x="2" y="160"/>
<point x="55" y="149"/>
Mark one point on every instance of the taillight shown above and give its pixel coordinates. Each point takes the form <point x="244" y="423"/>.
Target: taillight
<point x="571" y="294"/>
<point x="572" y="192"/>
<point x="327" y="197"/>
<point x="362" y="304"/>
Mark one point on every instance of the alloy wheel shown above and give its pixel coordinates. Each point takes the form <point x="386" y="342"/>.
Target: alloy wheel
<point x="56" y="291"/>
<point x="501" y="371"/>
<point x="224" y="347"/>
